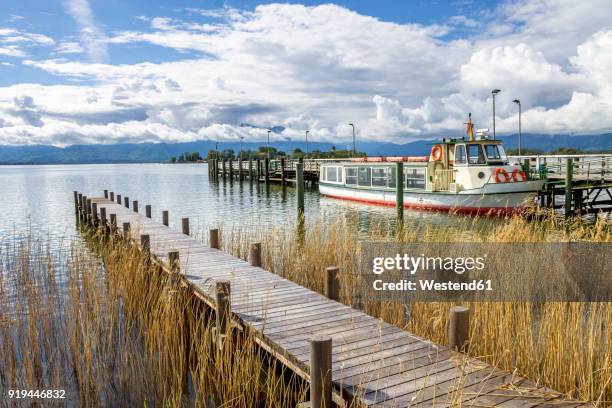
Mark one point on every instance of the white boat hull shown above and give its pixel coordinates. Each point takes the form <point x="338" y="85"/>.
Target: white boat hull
<point x="497" y="198"/>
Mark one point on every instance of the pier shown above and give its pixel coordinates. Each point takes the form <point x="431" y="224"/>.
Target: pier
<point x="347" y="356"/>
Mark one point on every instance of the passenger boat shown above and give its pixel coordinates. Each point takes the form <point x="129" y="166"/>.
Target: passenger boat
<point x="468" y="176"/>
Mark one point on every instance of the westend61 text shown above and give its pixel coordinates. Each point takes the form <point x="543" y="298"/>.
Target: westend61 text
<point x="430" y="284"/>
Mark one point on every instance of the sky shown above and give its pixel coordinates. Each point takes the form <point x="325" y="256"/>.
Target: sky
<point x="117" y="71"/>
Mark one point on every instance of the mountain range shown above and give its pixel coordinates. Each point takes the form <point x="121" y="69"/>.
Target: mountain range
<point x="162" y="152"/>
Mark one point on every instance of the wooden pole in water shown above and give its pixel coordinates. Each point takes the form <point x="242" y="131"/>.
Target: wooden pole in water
<point x="88" y="210"/>
<point x="267" y="169"/>
<point x="257" y="169"/>
<point x="250" y="168"/>
<point x="106" y="194"/>
<point x="223" y="168"/>
<point x="332" y="285"/>
<point x="185" y="225"/>
<point x="320" y="371"/>
<point x="282" y="165"/>
<point x="165" y="218"/>
<point x="231" y="168"/>
<point x="214" y="238"/>
<point x="569" y="170"/>
<point x="299" y="184"/>
<point x="126" y="202"/>
<point x="126" y="230"/>
<point x="82" y="203"/>
<point x="240" y="168"/>
<point x="135" y="205"/>
<point x="76" y="200"/>
<point x="255" y="254"/>
<point x="148" y="210"/>
<point x="459" y="328"/>
<point x="112" y="196"/>
<point x="119" y="199"/>
<point x="174" y="262"/>
<point x="223" y="297"/>
<point x="399" y="190"/>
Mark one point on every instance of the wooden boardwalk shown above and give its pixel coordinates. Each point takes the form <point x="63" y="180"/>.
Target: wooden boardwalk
<point x="373" y="363"/>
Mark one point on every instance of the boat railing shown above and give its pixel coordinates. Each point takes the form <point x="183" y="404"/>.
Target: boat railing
<point x="442" y="179"/>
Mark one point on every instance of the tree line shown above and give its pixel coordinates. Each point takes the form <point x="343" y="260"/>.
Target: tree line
<point x="263" y="151"/>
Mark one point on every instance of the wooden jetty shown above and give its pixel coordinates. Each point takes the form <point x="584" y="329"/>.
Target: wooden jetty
<point x="347" y="355"/>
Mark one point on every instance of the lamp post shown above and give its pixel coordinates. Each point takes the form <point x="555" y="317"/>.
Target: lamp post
<point x="518" y="102"/>
<point x="354" y="150"/>
<point x="268" y="152"/>
<point x="494" y="92"/>
<point x="307" y="132"/>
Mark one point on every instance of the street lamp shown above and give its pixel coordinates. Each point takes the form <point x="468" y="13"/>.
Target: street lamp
<point x="518" y="102"/>
<point x="268" y="153"/>
<point x="353" y="126"/>
<point x="494" y="92"/>
<point x="307" y="132"/>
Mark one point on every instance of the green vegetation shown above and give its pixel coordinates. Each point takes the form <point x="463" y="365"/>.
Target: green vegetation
<point x="262" y="153"/>
<point x="186" y="158"/>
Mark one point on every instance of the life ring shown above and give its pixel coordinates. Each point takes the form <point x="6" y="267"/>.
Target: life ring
<point x="516" y="173"/>
<point x="501" y="176"/>
<point x="436" y="152"/>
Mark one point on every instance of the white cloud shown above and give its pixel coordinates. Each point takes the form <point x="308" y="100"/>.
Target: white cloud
<point x="92" y="36"/>
<point x="296" y="66"/>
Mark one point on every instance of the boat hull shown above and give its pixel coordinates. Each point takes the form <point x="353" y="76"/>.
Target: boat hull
<point x="481" y="201"/>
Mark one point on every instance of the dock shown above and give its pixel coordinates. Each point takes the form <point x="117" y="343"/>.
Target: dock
<point x="372" y="363"/>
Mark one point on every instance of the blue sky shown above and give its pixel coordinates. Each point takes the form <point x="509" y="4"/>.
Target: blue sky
<point x="103" y="71"/>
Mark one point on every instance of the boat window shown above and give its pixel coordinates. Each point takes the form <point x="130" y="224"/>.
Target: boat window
<point x="460" y="157"/>
<point x="415" y="178"/>
<point x="351" y="175"/>
<point x="475" y="155"/>
<point x="365" y="176"/>
<point x="379" y="177"/>
<point x="333" y="174"/>
<point x="391" y="171"/>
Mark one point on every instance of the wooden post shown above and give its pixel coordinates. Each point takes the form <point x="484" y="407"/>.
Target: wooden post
<point x="76" y="200"/>
<point x="299" y="184"/>
<point x="88" y="210"/>
<point x="165" y="217"/>
<point x="459" y="328"/>
<point x="119" y="199"/>
<point x="231" y="168"/>
<point x="113" y="222"/>
<point x="135" y="205"/>
<point x="399" y="190"/>
<point x="103" y="217"/>
<point x="94" y="214"/>
<point x="214" y="238"/>
<point x="126" y="230"/>
<point x="174" y="262"/>
<point x="267" y="169"/>
<point x="240" y="168"/>
<point x="527" y="167"/>
<point x="258" y="169"/>
<point x="223" y="168"/>
<point x="126" y="202"/>
<point x="106" y="194"/>
<point x="282" y="166"/>
<point x="148" y="210"/>
<point x="224" y="313"/>
<point x="320" y="371"/>
<point x="255" y="254"/>
<point x="185" y="224"/>
<point x="250" y="168"/>
<point x="332" y="285"/>
<point x="145" y="243"/>
<point x="82" y="206"/>
<point x="112" y="196"/>
<point x="569" y="170"/>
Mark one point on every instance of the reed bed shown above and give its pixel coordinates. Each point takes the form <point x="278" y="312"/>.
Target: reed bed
<point x="566" y="346"/>
<point x="108" y="328"/>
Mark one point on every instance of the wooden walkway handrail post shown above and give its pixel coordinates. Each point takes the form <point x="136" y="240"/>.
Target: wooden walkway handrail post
<point x="103" y="220"/>
<point x="112" y="196"/>
<point x="135" y="206"/>
<point x="255" y="254"/>
<point x="145" y="244"/>
<point x="459" y="328"/>
<point x="113" y="224"/>
<point x="299" y="183"/>
<point x="321" y="371"/>
<point x="174" y="261"/>
<point x="119" y="199"/>
<point x="224" y="313"/>
<point x="165" y="218"/>
<point x="106" y="194"/>
<point x="214" y="238"/>
<point x="94" y="215"/>
<point x="332" y="284"/>
<point x="148" y="210"/>
<point x="126" y="202"/>
<point x="185" y="225"/>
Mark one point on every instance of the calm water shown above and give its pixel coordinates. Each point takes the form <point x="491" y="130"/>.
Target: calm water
<point x="41" y="198"/>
